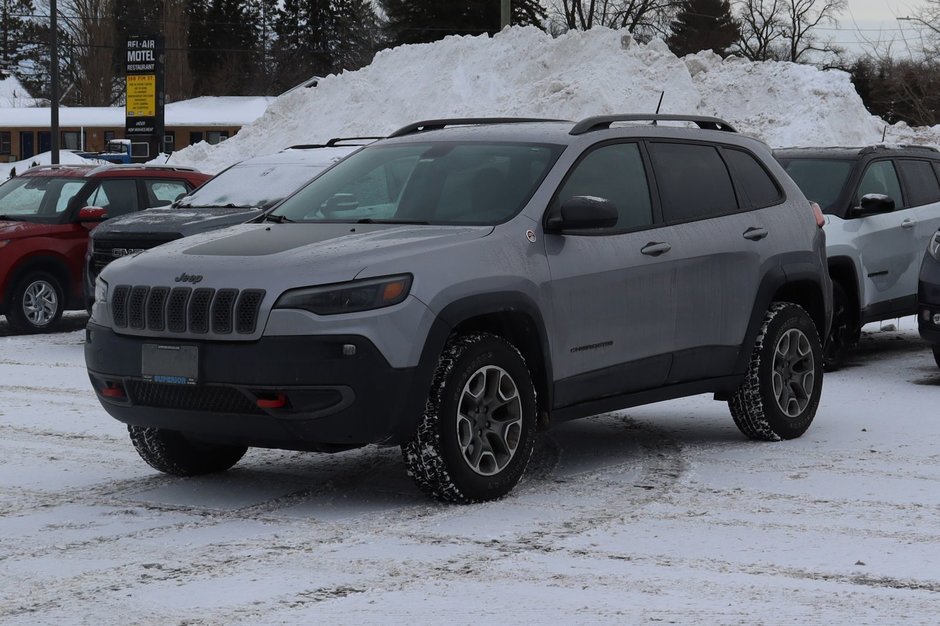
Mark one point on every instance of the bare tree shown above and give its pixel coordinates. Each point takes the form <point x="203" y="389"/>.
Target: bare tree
<point x="785" y="29"/>
<point x="90" y="28"/>
<point x="642" y="17"/>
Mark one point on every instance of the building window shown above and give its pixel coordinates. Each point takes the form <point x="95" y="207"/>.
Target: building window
<point x="108" y="136"/>
<point x="195" y="137"/>
<point x="216" y="136"/>
<point x="5" y="142"/>
<point x="71" y="140"/>
<point x="169" y="142"/>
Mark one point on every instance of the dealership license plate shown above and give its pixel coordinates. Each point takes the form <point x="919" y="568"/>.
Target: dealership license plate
<point x="175" y="365"/>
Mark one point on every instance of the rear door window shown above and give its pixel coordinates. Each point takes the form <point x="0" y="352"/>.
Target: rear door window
<point x="880" y="178"/>
<point x="164" y="192"/>
<point x="920" y="180"/>
<point x="693" y="181"/>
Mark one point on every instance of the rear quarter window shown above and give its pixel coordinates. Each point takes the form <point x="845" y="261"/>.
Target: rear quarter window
<point x="758" y="186"/>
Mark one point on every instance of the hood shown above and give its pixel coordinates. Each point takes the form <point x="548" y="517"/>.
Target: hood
<point x="10" y="229"/>
<point x="181" y="222"/>
<point x="277" y="257"/>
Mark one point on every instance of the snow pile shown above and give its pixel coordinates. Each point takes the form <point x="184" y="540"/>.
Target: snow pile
<point x="44" y="158"/>
<point x="526" y="72"/>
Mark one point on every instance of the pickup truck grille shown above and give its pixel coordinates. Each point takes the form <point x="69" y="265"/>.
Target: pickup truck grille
<point x="107" y="250"/>
<point x="198" y="310"/>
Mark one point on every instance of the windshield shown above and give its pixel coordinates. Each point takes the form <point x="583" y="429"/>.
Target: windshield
<point x="38" y="198"/>
<point x="820" y="180"/>
<point x="433" y="183"/>
<point x="252" y="185"/>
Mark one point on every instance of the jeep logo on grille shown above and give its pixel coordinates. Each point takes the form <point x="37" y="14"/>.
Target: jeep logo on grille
<point x="188" y="278"/>
<point x="117" y="253"/>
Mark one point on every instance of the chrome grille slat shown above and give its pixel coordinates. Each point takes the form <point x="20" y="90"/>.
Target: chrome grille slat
<point x="182" y="310"/>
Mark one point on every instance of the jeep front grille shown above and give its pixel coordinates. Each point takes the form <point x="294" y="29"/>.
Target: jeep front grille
<point x="186" y="310"/>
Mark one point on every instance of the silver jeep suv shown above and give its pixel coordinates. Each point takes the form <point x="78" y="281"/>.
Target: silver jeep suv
<point x="464" y="282"/>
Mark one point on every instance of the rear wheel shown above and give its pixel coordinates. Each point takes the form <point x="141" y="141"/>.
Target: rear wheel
<point x="936" y="354"/>
<point x="478" y="430"/>
<point x="172" y="452"/>
<point x="36" y="304"/>
<point x="780" y="394"/>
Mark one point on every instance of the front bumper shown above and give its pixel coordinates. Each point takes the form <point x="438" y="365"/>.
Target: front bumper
<point x="295" y="393"/>
<point x="928" y="299"/>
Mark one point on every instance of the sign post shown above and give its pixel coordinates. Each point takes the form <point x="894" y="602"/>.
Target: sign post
<point x="143" y="109"/>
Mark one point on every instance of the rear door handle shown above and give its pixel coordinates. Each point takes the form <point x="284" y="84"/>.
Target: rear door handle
<point x="908" y="223"/>
<point x="755" y="233"/>
<point x="655" y="249"/>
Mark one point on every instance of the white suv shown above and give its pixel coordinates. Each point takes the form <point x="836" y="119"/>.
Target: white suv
<point x="882" y="205"/>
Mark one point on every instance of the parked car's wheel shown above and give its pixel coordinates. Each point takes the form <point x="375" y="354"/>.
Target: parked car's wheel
<point x="478" y="429"/>
<point x="843" y="334"/>
<point x="936" y="354"/>
<point x="36" y="304"/>
<point x="172" y="452"/>
<point x="780" y="394"/>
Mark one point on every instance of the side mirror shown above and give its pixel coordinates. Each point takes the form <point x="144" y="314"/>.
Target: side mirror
<point x="340" y="202"/>
<point x="92" y="214"/>
<point x="873" y="204"/>
<point x="582" y="213"/>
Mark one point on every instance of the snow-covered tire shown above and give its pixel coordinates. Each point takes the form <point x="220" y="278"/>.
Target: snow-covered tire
<point x="478" y="429"/>
<point x="36" y="304"/>
<point x="780" y="394"/>
<point x="171" y="452"/>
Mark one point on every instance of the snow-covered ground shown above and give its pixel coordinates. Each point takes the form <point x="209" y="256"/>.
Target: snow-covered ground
<point x="663" y="513"/>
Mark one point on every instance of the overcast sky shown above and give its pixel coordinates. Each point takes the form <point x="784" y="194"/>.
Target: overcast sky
<point x="876" y="21"/>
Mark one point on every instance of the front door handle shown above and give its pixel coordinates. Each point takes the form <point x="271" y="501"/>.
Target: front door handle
<point x="656" y="248"/>
<point x="755" y="233"/>
<point x="907" y="223"/>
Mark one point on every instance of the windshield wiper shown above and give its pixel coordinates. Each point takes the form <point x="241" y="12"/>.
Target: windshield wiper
<point x="372" y="220"/>
<point x="277" y="219"/>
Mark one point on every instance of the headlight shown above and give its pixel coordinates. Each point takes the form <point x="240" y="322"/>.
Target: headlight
<point x="4" y="242"/>
<point x="934" y="246"/>
<point x="358" y="295"/>
<point x="101" y="291"/>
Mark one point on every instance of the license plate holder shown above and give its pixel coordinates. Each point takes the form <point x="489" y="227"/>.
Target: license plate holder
<point x="169" y="364"/>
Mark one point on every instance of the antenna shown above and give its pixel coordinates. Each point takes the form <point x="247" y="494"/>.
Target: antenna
<point x="884" y="133"/>
<point x="661" y="94"/>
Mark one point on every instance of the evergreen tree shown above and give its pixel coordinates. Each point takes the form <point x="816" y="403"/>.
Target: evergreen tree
<point x="304" y="32"/>
<point x="703" y="25"/>
<point x="23" y="51"/>
<point x="422" y="21"/>
<point x="224" y="47"/>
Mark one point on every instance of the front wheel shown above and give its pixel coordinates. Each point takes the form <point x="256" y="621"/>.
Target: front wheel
<point x="36" y="304"/>
<point x="780" y="393"/>
<point x="172" y="452"/>
<point x="843" y="334"/>
<point x="478" y="429"/>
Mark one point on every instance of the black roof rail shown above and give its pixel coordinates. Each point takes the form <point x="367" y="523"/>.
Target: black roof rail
<point x="601" y="122"/>
<point x="903" y="146"/>
<point x="424" y="125"/>
<point x="305" y="146"/>
<point x="335" y="141"/>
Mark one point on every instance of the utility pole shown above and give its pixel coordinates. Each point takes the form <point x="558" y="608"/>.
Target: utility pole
<point x="504" y="14"/>
<point x="54" y="77"/>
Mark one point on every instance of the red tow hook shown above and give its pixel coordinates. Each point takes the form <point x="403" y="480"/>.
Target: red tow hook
<point x="279" y="401"/>
<point x="114" y="391"/>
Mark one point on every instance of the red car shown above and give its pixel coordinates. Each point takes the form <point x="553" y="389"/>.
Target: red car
<point x="46" y="214"/>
